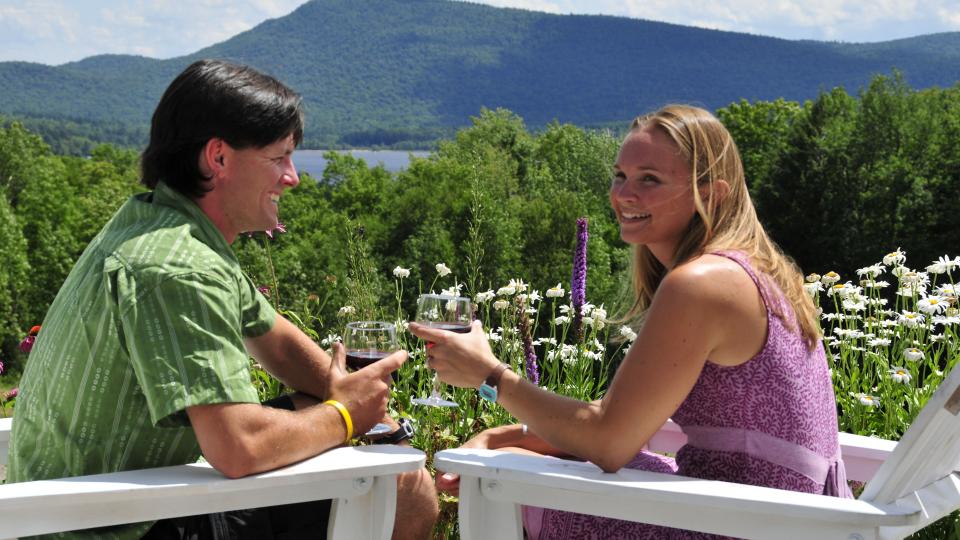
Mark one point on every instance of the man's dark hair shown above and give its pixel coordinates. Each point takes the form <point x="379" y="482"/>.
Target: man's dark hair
<point x="215" y="99"/>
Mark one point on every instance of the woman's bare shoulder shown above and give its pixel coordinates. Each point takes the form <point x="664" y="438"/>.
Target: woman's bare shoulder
<point x="710" y="275"/>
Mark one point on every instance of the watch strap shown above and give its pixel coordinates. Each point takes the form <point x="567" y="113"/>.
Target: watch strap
<point x="489" y="389"/>
<point x="404" y="432"/>
<point x="493" y="379"/>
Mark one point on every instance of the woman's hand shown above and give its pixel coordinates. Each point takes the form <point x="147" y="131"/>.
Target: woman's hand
<point x="510" y="438"/>
<point x="449" y="483"/>
<point x="462" y="360"/>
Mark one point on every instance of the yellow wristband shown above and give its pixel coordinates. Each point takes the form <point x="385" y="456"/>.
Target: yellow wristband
<point x="345" y="414"/>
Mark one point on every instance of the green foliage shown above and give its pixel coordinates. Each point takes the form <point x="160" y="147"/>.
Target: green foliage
<point x="847" y="175"/>
<point x="13" y="281"/>
<point x="52" y="206"/>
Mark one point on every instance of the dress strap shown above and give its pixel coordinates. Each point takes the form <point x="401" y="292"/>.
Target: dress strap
<point x="797" y="458"/>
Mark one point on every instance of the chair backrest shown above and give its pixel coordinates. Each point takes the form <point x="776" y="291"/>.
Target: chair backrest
<point x="928" y="451"/>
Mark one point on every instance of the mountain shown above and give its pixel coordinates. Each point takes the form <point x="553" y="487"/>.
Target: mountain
<point x="378" y="71"/>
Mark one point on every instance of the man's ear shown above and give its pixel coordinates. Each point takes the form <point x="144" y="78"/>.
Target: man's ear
<point x="211" y="158"/>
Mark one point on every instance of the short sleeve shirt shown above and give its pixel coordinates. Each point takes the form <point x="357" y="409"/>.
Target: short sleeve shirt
<point x="150" y="321"/>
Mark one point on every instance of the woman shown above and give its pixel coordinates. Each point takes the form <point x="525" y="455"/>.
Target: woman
<point x="728" y="343"/>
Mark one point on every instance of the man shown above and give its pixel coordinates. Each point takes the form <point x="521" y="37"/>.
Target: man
<point x="143" y="357"/>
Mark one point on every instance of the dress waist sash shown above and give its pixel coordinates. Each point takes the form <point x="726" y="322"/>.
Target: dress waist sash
<point x="797" y="458"/>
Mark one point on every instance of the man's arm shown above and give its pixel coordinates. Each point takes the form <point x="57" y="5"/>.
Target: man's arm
<point x="293" y="358"/>
<point x="239" y="439"/>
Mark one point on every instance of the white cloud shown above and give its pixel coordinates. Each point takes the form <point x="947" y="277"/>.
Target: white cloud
<point x="847" y="20"/>
<point x="950" y="16"/>
<point x="58" y="31"/>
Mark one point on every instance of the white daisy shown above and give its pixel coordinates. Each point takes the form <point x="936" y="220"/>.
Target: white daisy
<point x="813" y="287"/>
<point x="910" y="319"/>
<point x="895" y="258"/>
<point x="483" y="297"/>
<point x="830" y="278"/>
<point x="900" y="375"/>
<point x="401" y="272"/>
<point x="868" y="400"/>
<point x="442" y="269"/>
<point x="932" y="305"/>
<point x="871" y="271"/>
<point x="913" y="354"/>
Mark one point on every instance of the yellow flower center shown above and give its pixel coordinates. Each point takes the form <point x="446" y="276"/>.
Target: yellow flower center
<point x="933" y="302"/>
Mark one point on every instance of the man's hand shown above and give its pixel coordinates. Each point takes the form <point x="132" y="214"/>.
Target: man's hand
<point x="364" y="392"/>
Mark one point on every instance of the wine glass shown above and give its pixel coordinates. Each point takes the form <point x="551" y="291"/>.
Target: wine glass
<point x="365" y="343"/>
<point x="454" y="313"/>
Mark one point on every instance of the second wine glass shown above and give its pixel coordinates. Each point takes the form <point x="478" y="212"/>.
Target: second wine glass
<point x="365" y="343"/>
<point x="453" y="313"/>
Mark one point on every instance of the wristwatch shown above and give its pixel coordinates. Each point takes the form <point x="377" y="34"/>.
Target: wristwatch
<point x="404" y="432"/>
<point x="488" y="390"/>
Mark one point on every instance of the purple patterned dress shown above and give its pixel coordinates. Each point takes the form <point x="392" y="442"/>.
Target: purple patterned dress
<point x="770" y="421"/>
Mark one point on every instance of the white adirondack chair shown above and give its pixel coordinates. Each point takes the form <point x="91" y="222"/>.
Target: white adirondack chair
<point x="360" y="480"/>
<point x="915" y="483"/>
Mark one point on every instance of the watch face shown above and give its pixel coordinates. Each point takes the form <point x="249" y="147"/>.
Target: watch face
<point x="488" y="392"/>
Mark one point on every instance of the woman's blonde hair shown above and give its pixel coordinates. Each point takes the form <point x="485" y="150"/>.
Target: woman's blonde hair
<point x="720" y="223"/>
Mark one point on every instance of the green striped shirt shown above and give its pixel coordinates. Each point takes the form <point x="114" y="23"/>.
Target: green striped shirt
<point x="150" y="321"/>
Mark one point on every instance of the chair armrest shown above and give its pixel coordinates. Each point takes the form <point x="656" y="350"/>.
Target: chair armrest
<point x="361" y="479"/>
<point x="660" y="499"/>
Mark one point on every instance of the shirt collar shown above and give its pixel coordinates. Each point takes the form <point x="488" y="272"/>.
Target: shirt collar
<point x="200" y="225"/>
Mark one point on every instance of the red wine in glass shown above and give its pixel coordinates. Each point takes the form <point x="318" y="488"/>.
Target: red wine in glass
<point x="362" y="359"/>
<point x="452" y="327"/>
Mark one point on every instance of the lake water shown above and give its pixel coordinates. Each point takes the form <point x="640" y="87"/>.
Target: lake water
<point x="312" y="161"/>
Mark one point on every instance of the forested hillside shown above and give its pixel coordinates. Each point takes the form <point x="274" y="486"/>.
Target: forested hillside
<point x="395" y="72"/>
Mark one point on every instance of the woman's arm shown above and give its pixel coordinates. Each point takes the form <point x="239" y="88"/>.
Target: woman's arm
<point x="694" y="313"/>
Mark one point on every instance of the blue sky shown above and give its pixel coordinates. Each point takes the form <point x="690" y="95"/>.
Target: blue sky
<point x="58" y="31"/>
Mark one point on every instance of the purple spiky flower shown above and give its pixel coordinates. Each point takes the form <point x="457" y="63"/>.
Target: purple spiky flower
<point x="578" y="281"/>
<point x="529" y="354"/>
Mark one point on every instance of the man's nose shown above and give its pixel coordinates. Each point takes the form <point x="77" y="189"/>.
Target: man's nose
<point x="291" y="178"/>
